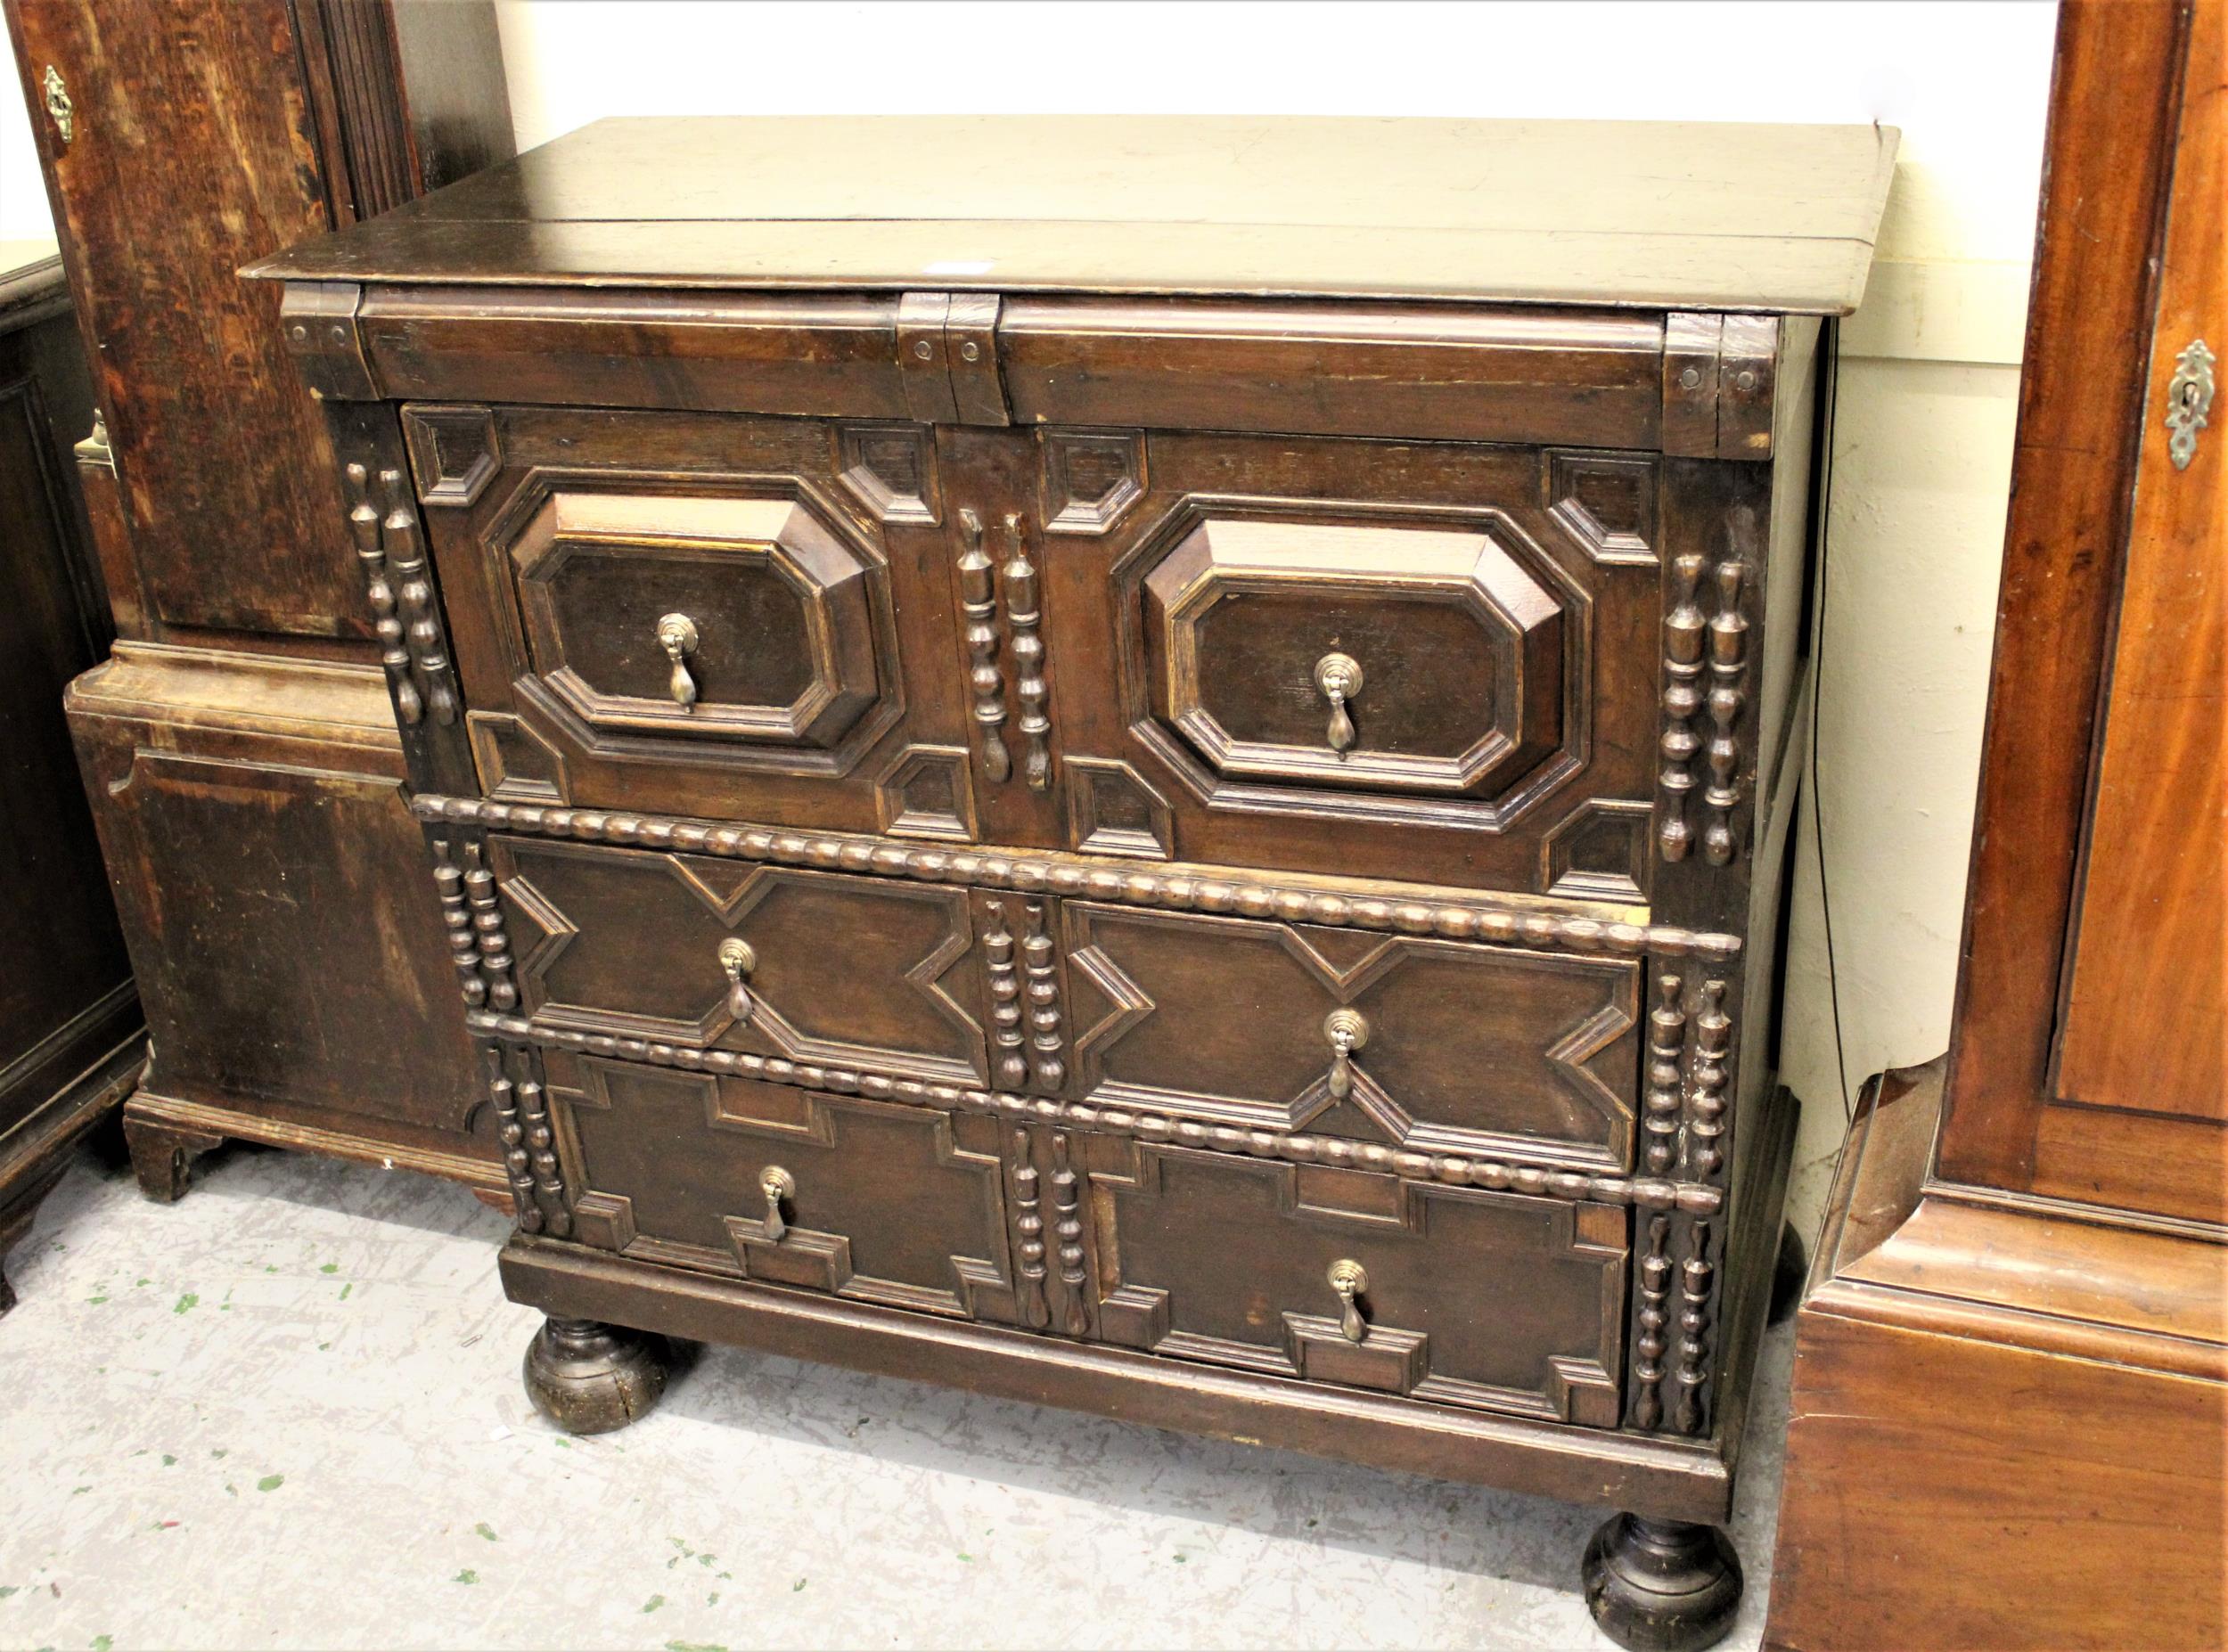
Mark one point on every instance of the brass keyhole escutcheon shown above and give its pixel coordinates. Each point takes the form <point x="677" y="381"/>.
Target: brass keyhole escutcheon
<point x="1339" y="679"/>
<point x="676" y="635"/>
<point x="777" y="1184"/>
<point x="1349" y="1279"/>
<point x="1346" y="1032"/>
<point x="58" y="103"/>
<point x="737" y="958"/>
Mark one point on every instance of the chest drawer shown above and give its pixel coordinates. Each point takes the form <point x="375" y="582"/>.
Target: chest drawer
<point x="705" y="952"/>
<point x="737" y="617"/>
<point x="1432" y="1045"/>
<point x="882" y="1203"/>
<point x="1452" y="1295"/>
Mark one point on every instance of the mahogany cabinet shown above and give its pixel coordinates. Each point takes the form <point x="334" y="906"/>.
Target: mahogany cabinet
<point x="2038" y="1225"/>
<point x="1167" y="797"/>
<point x="71" y="1036"/>
<point x="226" y="751"/>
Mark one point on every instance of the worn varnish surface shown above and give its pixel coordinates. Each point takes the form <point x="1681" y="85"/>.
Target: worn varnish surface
<point x="208" y="135"/>
<point x="250" y="795"/>
<point x="227" y="485"/>
<point x="269" y="877"/>
<point x="1776" y="218"/>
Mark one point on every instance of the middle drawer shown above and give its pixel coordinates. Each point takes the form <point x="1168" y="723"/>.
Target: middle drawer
<point x="1423" y="1044"/>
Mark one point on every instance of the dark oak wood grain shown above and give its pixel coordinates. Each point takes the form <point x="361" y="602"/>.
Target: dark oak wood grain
<point x="200" y="137"/>
<point x="205" y="137"/>
<point x="255" y="805"/>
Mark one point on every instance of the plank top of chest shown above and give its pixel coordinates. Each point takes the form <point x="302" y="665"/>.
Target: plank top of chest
<point x="1627" y="213"/>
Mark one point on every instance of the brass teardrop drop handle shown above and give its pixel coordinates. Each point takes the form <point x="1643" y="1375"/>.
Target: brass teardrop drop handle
<point x="777" y="1184"/>
<point x="1339" y="678"/>
<point x="1348" y="1279"/>
<point x="1346" y="1032"/>
<point x="738" y="960"/>
<point x="676" y="634"/>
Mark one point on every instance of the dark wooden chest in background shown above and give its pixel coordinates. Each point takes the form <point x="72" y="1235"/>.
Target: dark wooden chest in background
<point x="70" y="1034"/>
<point x="240" y="760"/>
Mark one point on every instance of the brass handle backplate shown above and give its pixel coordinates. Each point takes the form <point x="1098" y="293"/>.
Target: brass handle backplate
<point x="738" y="960"/>
<point x="58" y="103"/>
<point x="676" y="634"/>
<point x="1339" y="678"/>
<point x="1346" y="1032"/>
<point x="1349" y="1279"/>
<point x="777" y="1184"/>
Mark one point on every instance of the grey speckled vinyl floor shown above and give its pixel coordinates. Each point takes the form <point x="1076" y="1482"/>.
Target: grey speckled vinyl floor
<point x="286" y="1413"/>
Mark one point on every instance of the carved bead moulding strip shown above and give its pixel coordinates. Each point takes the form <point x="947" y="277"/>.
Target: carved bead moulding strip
<point x="1696" y="1282"/>
<point x="405" y="616"/>
<point x="1028" y="1230"/>
<point x="523" y="1127"/>
<point x="1654" y="1317"/>
<point x="1705" y="675"/>
<point x="1461" y="920"/>
<point x="1458" y="1170"/>
<point x="1674" y="1327"/>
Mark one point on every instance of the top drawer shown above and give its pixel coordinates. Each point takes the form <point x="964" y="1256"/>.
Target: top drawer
<point x="1481" y="667"/>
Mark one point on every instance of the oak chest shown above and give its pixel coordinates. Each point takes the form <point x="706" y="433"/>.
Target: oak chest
<point x="1141" y="763"/>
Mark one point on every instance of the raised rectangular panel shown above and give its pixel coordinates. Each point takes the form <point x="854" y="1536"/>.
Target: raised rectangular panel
<point x="1466" y="1297"/>
<point x="1459" y="1047"/>
<point x="838" y="968"/>
<point x="898" y="1206"/>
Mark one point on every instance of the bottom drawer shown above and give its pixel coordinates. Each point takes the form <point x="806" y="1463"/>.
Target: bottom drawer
<point x="882" y="1203"/>
<point x="1455" y="1294"/>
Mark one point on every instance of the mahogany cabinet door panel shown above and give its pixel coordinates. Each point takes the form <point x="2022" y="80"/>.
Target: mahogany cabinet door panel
<point x="704" y="953"/>
<point x="1430" y="1045"/>
<point x="883" y="1203"/>
<point x="1433" y="660"/>
<point x="228" y="480"/>
<point x="1454" y="1294"/>
<point x="699" y="614"/>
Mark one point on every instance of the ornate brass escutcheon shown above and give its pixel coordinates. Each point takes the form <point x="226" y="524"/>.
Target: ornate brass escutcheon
<point x="777" y="1184"/>
<point x="58" y="103"/>
<point x="1347" y="1032"/>
<point x="1349" y="1279"/>
<point x="737" y="958"/>
<point x="2189" y="402"/>
<point x="676" y="634"/>
<point x="1339" y="677"/>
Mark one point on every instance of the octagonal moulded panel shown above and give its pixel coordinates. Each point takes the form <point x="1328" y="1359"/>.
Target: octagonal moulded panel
<point x="709" y="616"/>
<point x="1406" y="658"/>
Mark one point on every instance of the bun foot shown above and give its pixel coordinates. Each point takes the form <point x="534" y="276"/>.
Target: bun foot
<point x="589" y="1378"/>
<point x="1790" y="1269"/>
<point x="1661" y="1585"/>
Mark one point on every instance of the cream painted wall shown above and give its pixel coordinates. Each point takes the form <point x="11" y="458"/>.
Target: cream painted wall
<point x="1930" y="365"/>
<point x="24" y="214"/>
